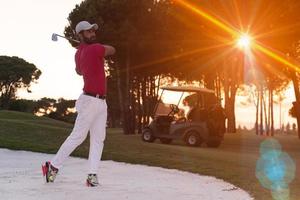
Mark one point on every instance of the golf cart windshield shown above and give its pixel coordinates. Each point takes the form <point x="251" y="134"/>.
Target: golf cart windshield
<point x="178" y="101"/>
<point x="172" y="104"/>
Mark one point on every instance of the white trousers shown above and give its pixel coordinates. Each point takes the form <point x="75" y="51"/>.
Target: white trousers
<point x="92" y="116"/>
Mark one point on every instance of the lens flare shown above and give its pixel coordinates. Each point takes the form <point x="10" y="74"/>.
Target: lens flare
<point x="280" y="191"/>
<point x="275" y="169"/>
<point x="244" y="41"/>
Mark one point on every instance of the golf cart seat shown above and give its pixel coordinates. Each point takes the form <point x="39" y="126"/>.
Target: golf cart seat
<point x="163" y="123"/>
<point x="164" y="120"/>
<point x="197" y="115"/>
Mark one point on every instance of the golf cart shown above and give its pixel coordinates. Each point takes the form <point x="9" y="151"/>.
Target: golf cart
<point x="204" y="122"/>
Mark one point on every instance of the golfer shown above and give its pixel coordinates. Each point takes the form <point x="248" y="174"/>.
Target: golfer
<point x="91" y="105"/>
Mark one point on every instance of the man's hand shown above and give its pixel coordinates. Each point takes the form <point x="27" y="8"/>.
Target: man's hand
<point x="109" y="50"/>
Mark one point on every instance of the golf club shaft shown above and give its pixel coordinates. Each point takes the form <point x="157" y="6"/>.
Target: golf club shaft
<point x="68" y="38"/>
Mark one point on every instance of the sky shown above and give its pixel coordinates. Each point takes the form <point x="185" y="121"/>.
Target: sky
<point x="245" y="114"/>
<point x="27" y="27"/>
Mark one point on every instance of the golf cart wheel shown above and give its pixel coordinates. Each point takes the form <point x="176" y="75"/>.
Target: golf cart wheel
<point x="165" y="140"/>
<point x="147" y="135"/>
<point x="193" y="139"/>
<point x="213" y="143"/>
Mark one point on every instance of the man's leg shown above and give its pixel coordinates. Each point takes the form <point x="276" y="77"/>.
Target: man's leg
<point x="97" y="137"/>
<point x="83" y="122"/>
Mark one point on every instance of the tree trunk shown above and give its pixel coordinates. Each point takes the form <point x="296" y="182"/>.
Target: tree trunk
<point x="140" y="114"/>
<point x="120" y="93"/>
<point x="272" y="113"/>
<point x="230" y="89"/>
<point x="144" y="100"/>
<point x="269" y="112"/>
<point x="127" y="126"/>
<point x="210" y="82"/>
<point x="257" y="109"/>
<point x="230" y="92"/>
<point x="261" y="111"/>
<point x="158" y="85"/>
<point x="265" y="113"/>
<point x="132" y="106"/>
<point x="218" y="88"/>
<point x="6" y="96"/>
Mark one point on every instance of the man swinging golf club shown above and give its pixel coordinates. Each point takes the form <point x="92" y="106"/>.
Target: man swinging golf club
<point x="91" y="105"/>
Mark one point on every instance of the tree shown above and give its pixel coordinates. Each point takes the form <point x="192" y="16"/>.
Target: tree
<point x="44" y="106"/>
<point x="288" y="128"/>
<point x="63" y="110"/>
<point x="113" y="115"/>
<point x="15" y="73"/>
<point x="294" y="127"/>
<point x="22" y="105"/>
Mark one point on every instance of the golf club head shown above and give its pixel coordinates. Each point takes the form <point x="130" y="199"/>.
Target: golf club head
<point x="54" y="37"/>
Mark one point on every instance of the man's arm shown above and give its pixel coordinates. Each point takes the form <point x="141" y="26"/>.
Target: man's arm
<point x="77" y="63"/>
<point x="109" y="50"/>
<point x="77" y="71"/>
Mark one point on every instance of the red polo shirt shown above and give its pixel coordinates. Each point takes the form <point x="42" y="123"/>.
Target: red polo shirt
<point x="89" y="60"/>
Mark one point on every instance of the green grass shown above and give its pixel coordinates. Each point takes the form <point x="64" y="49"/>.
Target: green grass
<point x="235" y="161"/>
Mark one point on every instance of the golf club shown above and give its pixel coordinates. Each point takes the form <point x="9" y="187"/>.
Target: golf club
<point x="55" y="38"/>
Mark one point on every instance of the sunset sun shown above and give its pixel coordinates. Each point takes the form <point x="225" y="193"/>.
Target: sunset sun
<point x="244" y="41"/>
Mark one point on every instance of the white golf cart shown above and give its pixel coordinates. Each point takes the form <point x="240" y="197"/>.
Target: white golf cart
<point x="203" y="121"/>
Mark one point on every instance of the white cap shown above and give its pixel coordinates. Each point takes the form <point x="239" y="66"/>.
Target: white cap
<point x="84" y="25"/>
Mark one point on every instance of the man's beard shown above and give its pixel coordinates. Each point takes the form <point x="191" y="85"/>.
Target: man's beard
<point x="90" y="40"/>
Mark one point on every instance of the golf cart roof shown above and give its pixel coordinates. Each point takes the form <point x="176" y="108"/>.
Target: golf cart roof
<point x="187" y="89"/>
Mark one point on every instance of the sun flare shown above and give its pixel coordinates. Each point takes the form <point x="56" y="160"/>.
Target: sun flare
<point x="244" y="41"/>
